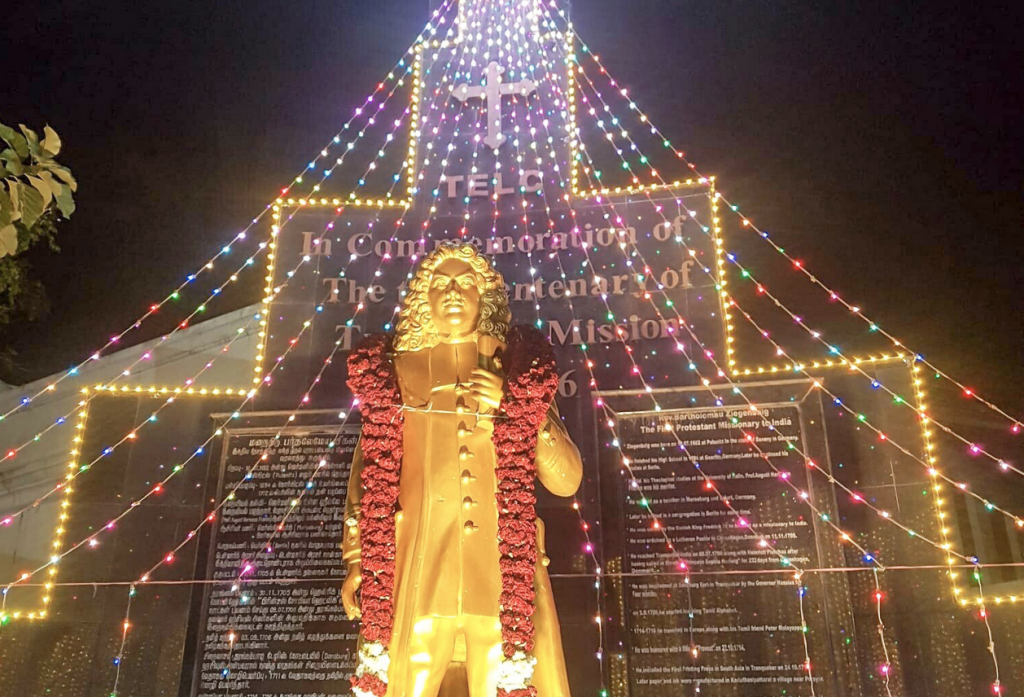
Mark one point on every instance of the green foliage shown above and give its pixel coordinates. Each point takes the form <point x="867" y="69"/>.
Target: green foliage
<point x="35" y="191"/>
<point x="22" y="296"/>
<point x="33" y="183"/>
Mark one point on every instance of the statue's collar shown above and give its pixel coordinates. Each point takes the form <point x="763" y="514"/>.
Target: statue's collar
<point x="470" y="338"/>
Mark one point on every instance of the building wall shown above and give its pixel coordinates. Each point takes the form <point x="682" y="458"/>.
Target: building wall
<point x="41" y="464"/>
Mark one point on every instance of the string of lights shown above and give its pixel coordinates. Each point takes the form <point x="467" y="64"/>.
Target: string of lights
<point x="145" y="356"/>
<point x="76" y="469"/>
<point x="92" y="540"/>
<point x="929" y="464"/>
<point x="737" y="390"/>
<point x="589" y="363"/>
<point x="832" y="350"/>
<point x="125" y="626"/>
<point x="989" y="506"/>
<point x="131" y="435"/>
<point x="790" y="568"/>
<point x="353" y="257"/>
<point x="997" y="687"/>
<point x="854" y="363"/>
<point x="267" y="546"/>
<point x="522" y="194"/>
<point x="721" y="373"/>
<point x="945" y="545"/>
<point x="885" y="667"/>
<point x="429" y="30"/>
<point x="751" y="439"/>
<point x="634" y="482"/>
<point x="588" y="545"/>
<point x="167" y="558"/>
<point x="264" y="455"/>
<point x="892" y="568"/>
<point x="380" y="205"/>
<point x="1015" y="423"/>
<point x="742" y="522"/>
<point x="973" y="448"/>
<point x="882" y="436"/>
<point x="96" y="355"/>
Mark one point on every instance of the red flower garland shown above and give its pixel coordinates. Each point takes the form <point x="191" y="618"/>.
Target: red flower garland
<point x="530" y="386"/>
<point x="372" y="380"/>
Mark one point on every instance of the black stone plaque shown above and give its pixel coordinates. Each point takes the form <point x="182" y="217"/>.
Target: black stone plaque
<point x="283" y="632"/>
<point x="730" y="621"/>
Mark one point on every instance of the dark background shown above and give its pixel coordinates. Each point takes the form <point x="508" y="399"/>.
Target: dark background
<point x="880" y="141"/>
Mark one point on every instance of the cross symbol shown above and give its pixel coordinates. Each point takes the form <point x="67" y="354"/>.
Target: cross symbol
<point x="492" y="91"/>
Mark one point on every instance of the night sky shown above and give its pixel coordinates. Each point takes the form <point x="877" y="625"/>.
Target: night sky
<point x="879" y="141"/>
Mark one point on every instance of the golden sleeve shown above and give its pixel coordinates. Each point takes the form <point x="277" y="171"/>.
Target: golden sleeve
<point x="351" y="550"/>
<point x="559" y="466"/>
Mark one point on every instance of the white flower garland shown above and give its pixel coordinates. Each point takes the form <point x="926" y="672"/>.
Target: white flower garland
<point x="374" y="660"/>
<point x="516" y="673"/>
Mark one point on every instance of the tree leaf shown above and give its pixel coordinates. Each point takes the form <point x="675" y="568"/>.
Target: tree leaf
<point x="6" y="210"/>
<point x="65" y="202"/>
<point x="43" y="188"/>
<point x="32" y="138"/>
<point x="15" y="140"/>
<point x="64" y="174"/>
<point x="12" y="162"/>
<point x="8" y="240"/>
<point x="55" y="186"/>
<point x="14" y="186"/>
<point x="31" y="206"/>
<point x="51" y="141"/>
<point x="30" y="135"/>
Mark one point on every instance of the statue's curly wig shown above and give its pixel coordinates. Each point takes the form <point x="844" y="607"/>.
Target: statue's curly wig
<point x="416" y="329"/>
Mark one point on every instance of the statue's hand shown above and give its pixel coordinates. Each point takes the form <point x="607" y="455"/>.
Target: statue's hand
<point x="349" y="588"/>
<point x="486" y="388"/>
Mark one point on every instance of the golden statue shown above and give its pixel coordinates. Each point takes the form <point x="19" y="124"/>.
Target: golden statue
<point x="450" y="583"/>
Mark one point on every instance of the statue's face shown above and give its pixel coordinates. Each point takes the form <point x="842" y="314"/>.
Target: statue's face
<point x="454" y="297"/>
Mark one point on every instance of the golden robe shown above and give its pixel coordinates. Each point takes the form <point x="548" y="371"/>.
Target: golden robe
<point x="447" y="524"/>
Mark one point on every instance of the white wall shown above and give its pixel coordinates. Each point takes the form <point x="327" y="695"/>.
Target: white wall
<point x="41" y="464"/>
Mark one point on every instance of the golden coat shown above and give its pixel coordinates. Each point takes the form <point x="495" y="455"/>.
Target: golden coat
<point x="447" y="524"/>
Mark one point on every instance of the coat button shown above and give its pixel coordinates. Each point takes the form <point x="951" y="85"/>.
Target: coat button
<point x="469" y="527"/>
<point x="468" y="502"/>
<point x="467" y="477"/>
<point x="464" y="453"/>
